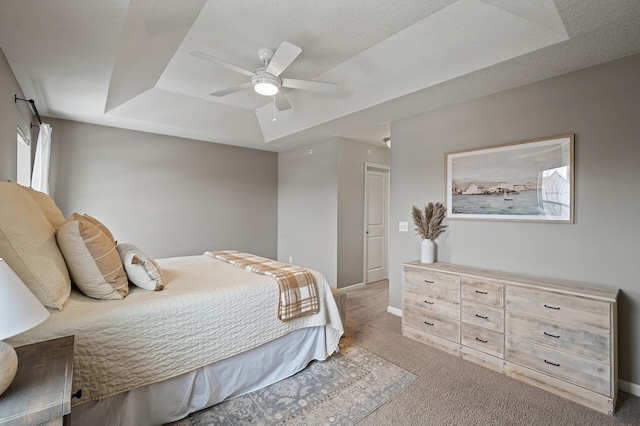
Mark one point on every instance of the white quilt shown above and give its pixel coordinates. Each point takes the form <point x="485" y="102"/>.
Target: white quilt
<point x="208" y="311"/>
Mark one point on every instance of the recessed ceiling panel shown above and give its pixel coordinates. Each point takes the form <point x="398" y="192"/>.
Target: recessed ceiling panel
<point x="466" y="36"/>
<point x="152" y="32"/>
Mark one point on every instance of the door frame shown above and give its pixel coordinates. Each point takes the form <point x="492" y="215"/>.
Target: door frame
<point x="387" y="170"/>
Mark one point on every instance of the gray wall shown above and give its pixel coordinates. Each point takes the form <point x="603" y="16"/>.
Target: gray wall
<point x="170" y="196"/>
<point x="308" y="207"/>
<point x="321" y="207"/>
<point x="12" y="115"/>
<point x="601" y="105"/>
<point x="352" y="157"/>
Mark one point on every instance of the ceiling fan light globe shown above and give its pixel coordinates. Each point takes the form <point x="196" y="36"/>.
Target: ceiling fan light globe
<point x="265" y="84"/>
<point x="265" y="88"/>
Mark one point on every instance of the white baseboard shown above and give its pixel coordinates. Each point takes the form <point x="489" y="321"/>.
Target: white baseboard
<point x="352" y="287"/>
<point x="395" y="311"/>
<point x="628" y="387"/>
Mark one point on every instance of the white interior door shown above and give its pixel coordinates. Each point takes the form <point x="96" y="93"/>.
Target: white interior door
<point x="376" y="208"/>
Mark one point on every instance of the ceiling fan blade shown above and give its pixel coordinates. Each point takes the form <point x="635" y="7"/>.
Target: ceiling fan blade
<point x="281" y="102"/>
<point x="284" y="56"/>
<point x="213" y="59"/>
<point x="230" y="90"/>
<point x="316" y="86"/>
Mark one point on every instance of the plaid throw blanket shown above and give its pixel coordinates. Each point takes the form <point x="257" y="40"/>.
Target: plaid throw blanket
<point x="298" y="294"/>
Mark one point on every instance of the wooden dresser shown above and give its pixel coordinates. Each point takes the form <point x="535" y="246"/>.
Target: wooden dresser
<point x="558" y="335"/>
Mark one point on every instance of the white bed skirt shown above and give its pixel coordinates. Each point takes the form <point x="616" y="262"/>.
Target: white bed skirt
<point x="173" y="399"/>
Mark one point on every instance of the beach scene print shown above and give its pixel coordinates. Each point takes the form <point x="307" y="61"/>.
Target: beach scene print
<point x="523" y="181"/>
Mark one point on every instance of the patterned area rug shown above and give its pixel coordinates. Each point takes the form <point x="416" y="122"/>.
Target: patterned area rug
<point x="342" y="390"/>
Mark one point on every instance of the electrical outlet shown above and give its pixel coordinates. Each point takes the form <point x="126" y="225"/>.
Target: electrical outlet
<point x="290" y="259"/>
<point x="403" y="226"/>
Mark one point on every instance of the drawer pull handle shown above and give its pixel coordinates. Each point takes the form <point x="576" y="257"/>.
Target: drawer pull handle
<point x="480" y="340"/>
<point x="427" y="281"/>
<point x="428" y="323"/>
<point x="552" y="363"/>
<point x="551" y="335"/>
<point x="557" y="308"/>
<point x="481" y="292"/>
<point x="428" y="303"/>
<point x="480" y="316"/>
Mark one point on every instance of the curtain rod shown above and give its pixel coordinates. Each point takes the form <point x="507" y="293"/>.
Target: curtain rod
<point x="33" y="107"/>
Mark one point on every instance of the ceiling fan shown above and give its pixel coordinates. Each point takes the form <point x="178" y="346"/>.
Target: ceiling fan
<point x="266" y="80"/>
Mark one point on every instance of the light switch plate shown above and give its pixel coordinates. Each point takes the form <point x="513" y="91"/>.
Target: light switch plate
<point x="403" y="226"/>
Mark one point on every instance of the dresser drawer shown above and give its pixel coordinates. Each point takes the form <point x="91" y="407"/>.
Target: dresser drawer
<point x="483" y="340"/>
<point x="433" y="282"/>
<point x="429" y="322"/>
<point x="557" y="307"/>
<point x="483" y="291"/>
<point x="590" y="344"/>
<point x="571" y="368"/>
<point x="432" y="302"/>
<point x="483" y="316"/>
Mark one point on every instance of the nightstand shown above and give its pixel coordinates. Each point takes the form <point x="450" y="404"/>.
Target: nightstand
<point x="41" y="390"/>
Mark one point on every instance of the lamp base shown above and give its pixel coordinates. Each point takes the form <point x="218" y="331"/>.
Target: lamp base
<point x="8" y="365"/>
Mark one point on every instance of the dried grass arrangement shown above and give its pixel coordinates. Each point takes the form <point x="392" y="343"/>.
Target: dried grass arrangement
<point x="429" y="224"/>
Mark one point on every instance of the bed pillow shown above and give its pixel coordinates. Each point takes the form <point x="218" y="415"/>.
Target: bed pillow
<point x="48" y="206"/>
<point x="142" y="271"/>
<point x="28" y="245"/>
<point x="103" y="228"/>
<point x="92" y="259"/>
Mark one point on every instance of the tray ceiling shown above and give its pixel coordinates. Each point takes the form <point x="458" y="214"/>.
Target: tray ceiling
<point x="128" y="64"/>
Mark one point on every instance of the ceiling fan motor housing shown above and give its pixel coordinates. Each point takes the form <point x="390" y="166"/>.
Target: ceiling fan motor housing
<point x="265" y="55"/>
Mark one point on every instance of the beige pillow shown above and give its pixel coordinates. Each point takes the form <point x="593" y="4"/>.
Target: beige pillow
<point x="28" y="245"/>
<point x="100" y="225"/>
<point x="92" y="259"/>
<point x="141" y="270"/>
<point x="48" y="206"/>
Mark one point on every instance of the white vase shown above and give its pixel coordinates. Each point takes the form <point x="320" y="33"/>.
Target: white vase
<point x="427" y="251"/>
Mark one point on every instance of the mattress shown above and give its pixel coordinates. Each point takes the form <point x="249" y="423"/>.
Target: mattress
<point x="208" y="311"/>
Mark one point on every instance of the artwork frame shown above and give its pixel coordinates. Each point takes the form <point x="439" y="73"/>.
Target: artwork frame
<point x="530" y="181"/>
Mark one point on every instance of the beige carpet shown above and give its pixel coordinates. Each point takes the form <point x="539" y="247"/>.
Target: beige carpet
<point x="451" y="391"/>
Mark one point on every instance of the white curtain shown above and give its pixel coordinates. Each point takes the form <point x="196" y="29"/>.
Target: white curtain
<point x="40" y="176"/>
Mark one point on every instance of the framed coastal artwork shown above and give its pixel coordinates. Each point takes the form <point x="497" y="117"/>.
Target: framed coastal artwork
<point x="526" y="181"/>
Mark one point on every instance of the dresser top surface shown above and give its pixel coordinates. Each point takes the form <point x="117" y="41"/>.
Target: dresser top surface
<point x="609" y="294"/>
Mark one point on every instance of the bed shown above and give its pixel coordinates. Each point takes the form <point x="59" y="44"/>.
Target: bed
<point x="152" y="357"/>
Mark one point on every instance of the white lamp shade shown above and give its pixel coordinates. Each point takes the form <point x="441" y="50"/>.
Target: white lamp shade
<point x="20" y="310"/>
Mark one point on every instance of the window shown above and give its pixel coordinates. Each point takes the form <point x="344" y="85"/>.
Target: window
<point x="24" y="159"/>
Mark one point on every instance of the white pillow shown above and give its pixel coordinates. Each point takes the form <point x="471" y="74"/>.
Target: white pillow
<point x="140" y="268"/>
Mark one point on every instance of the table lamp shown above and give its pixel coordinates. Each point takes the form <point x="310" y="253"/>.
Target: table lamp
<point x="19" y="312"/>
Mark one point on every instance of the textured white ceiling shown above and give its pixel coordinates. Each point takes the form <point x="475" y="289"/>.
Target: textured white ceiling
<point x="128" y="63"/>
